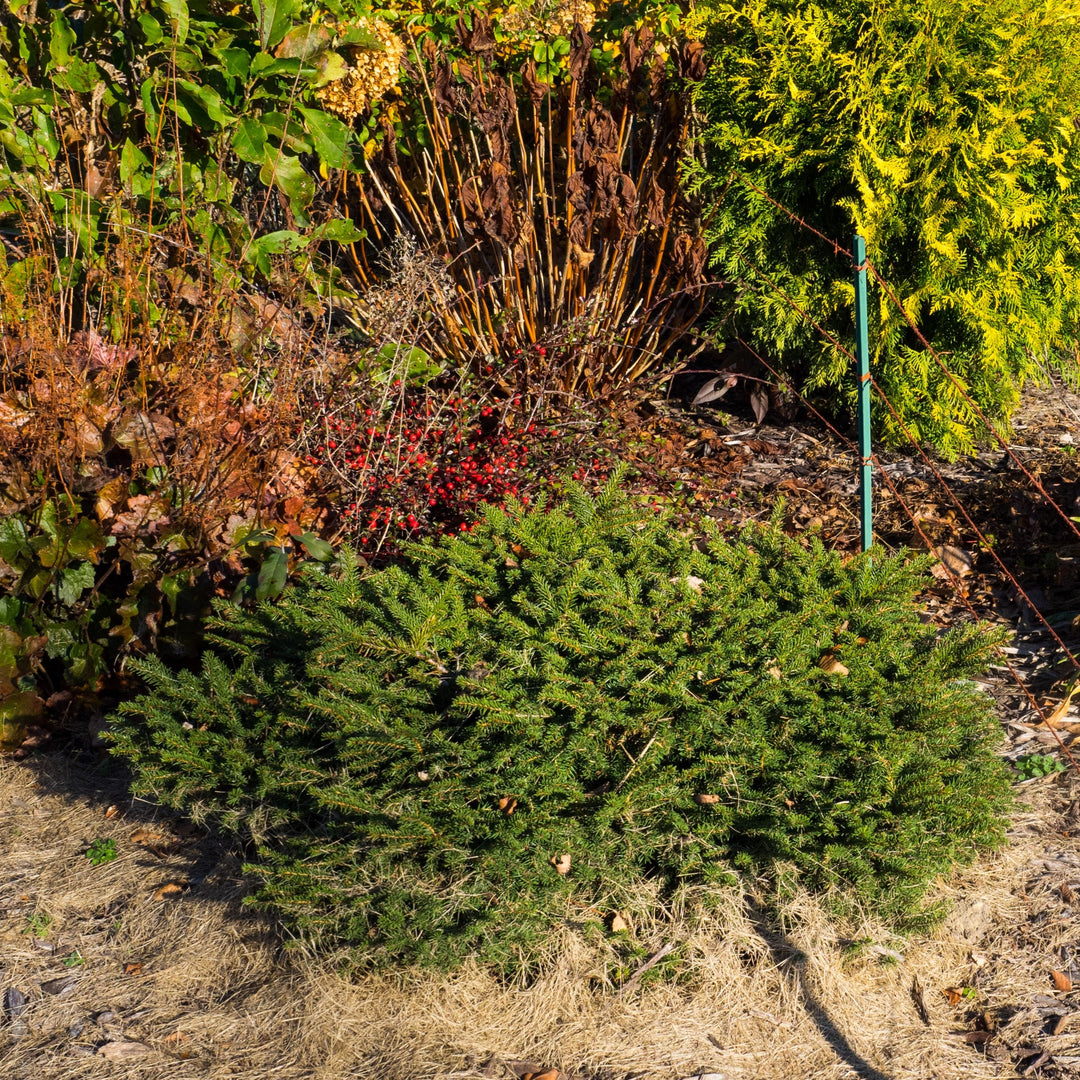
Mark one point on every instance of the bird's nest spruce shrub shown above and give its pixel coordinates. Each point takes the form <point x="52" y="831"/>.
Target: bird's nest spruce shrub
<point x="453" y="755"/>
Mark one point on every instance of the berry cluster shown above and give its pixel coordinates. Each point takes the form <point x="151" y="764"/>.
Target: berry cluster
<point x="416" y="466"/>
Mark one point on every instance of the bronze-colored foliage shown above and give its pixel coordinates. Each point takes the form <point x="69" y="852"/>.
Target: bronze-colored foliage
<point x="557" y="210"/>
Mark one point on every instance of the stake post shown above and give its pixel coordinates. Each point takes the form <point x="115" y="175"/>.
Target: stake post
<point x="862" y="357"/>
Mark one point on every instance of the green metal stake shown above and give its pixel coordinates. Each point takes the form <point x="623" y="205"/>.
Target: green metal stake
<point x="862" y="356"/>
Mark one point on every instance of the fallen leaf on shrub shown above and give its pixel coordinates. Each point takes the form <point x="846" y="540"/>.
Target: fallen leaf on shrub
<point x="421" y="775"/>
<point x="1062" y="981"/>
<point x="123" y="1051"/>
<point x="706" y="800"/>
<point x="831" y="666"/>
<point x="692" y="583"/>
<point x="561" y="863"/>
<point x="481" y="602"/>
<point x="774" y="671"/>
<point x="133" y="969"/>
<point x="618" y="923"/>
<point x="172" y="888"/>
<point x="507" y="805"/>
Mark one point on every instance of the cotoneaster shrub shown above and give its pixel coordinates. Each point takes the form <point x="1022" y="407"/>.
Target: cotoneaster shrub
<point x="416" y="751"/>
<point x="944" y="132"/>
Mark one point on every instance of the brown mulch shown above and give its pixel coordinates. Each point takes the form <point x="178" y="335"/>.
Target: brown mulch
<point x="149" y="964"/>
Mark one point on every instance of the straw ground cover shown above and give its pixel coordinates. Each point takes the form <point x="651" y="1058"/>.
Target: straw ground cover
<point x="212" y="994"/>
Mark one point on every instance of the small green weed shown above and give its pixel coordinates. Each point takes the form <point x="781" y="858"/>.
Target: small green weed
<point x="1032" y="766"/>
<point x="38" y="924"/>
<point x="101" y="851"/>
<point x="74" y="959"/>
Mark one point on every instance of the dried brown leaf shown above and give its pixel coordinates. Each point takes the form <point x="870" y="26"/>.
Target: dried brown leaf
<point x="125" y="1050"/>
<point x="134" y="969"/>
<point x="1062" y="982"/>
<point x="831" y="666"/>
<point x="918" y="996"/>
<point x="1055" y="718"/>
<point x="172" y="889"/>
<point x="706" y="800"/>
<point x="561" y="863"/>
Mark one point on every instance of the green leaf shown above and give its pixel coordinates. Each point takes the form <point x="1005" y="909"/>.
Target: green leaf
<point x="15" y="547"/>
<point x="249" y="141"/>
<point x="418" y="366"/>
<point x="10" y="611"/>
<point x="177" y="10"/>
<point x="61" y="39"/>
<point x="272" y="20"/>
<point x="134" y="170"/>
<point x="208" y="98"/>
<point x="236" y="63"/>
<point x="73" y="582"/>
<point x="303" y="42"/>
<point x="272" y="575"/>
<point x="291" y="179"/>
<point x="87" y="541"/>
<point x="278" y="242"/>
<point x="151" y="29"/>
<point x="329" y="67"/>
<point x="316" y="547"/>
<point x="340" y="230"/>
<point x="330" y="135"/>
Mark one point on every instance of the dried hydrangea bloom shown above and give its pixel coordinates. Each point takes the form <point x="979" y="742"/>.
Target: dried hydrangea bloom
<point x="371" y="73"/>
<point x="547" y="20"/>
<point x="562" y="17"/>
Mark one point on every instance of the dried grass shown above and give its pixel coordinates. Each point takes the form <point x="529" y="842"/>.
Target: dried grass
<point x="754" y="996"/>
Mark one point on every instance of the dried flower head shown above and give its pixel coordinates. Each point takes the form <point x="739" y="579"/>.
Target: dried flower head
<point x="371" y="72"/>
<point x="547" y="19"/>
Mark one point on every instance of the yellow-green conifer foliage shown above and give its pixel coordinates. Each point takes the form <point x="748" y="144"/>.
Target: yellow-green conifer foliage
<point x="944" y="131"/>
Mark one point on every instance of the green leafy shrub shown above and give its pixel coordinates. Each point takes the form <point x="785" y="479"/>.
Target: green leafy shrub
<point x="944" y="133"/>
<point x="416" y="751"/>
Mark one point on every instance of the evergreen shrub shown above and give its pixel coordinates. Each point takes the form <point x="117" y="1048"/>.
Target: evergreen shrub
<point x="944" y="132"/>
<point x="520" y="725"/>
